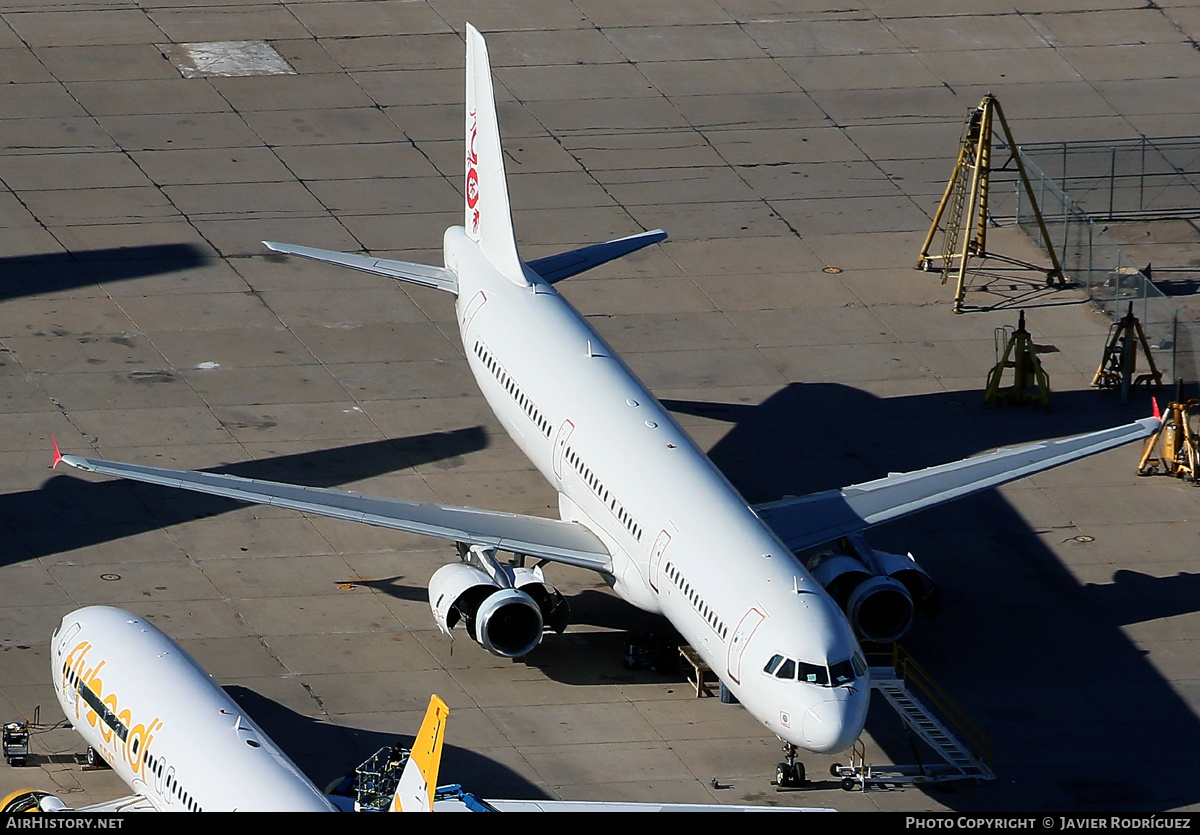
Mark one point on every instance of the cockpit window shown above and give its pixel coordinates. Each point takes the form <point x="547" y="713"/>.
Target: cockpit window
<point x="841" y="672"/>
<point x="835" y="675"/>
<point x="813" y="673"/>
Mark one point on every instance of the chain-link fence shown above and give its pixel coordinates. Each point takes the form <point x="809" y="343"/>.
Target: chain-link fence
<point x="1098" y="266"/>
<point x="1139" y="179"/>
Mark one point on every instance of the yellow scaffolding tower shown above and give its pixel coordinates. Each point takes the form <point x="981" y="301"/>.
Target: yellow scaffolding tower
<point x="968" y="189"/>
<point x="1118" y="366"/>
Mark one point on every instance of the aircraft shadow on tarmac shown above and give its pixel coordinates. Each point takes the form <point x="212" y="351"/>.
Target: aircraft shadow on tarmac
<point x="1078" y="716"/>
<point x="326" y="752"/>
<point x="26" y="275"/>
<point x="68" y="512"/>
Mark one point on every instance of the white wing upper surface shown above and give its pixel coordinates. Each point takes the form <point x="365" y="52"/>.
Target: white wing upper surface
<point x="534" y="536"/>
<point x="812" y="520"/>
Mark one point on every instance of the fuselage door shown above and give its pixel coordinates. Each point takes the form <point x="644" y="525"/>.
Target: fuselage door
<point x="477" y="301"/>
<point x="656" y="555"/>
<point x="560" y="447"/>
<point x="741" y="639"/>
<point x="61" y="643"/>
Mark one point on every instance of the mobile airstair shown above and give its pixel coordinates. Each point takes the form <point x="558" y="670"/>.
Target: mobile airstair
<point x="955" y="746"/>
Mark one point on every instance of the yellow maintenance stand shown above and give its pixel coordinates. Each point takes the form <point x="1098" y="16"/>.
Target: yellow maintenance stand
<point x="1174" y="447"/>
<point x="1118" y="366"/>
<point x="1030" y="381"/>
<point x="968" y="189"/>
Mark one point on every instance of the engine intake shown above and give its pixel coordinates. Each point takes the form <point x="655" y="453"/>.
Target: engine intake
<point x="507" y="623"/>
<point x="880" y="608"/>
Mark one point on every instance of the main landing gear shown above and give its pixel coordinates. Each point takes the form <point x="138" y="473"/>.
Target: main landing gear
<point x="790" y="773"/>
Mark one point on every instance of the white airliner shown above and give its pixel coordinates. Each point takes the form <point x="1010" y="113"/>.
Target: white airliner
<point x="164" y="726"/>
<point x="770" y="596"/>
<point x="181" y="744"/>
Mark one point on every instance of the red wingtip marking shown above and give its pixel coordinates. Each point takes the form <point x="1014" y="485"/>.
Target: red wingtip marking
<point x="57" y="454"/>
<point x="1157" y="413"/>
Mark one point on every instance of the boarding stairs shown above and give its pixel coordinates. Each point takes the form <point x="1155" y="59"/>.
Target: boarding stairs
<point x="921" y="721"/>
<point x="929" y="714"/>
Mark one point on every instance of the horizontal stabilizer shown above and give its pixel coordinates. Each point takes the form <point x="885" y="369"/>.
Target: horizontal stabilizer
<point x="426" y="276"/>
<point x="816" y="519"/>
<point x="535" y="536"/>
<point x="557" y="267"/>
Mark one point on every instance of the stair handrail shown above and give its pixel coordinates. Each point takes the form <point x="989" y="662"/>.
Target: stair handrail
<point x="911" y="673"/>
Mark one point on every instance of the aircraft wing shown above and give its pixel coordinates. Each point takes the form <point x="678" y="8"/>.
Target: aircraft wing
<point x="534" y="536"/>
<point x="132" y="803"/>
<point x="454" y="799"/>
<point x="32" y="800"/>
<point x="812" y="520"/>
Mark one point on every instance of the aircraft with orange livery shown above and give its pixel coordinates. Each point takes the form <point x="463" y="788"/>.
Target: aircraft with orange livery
<point x="148" y="710"/>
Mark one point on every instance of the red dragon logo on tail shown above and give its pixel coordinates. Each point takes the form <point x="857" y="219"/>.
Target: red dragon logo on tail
<point x="473" y="175"/>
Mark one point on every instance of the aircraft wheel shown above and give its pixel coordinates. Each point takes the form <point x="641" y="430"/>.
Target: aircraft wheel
<point x="93" y="759"/>
<point x="789" y="776"/>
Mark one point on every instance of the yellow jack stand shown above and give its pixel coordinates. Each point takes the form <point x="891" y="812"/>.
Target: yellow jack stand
<point x="1030" y="381"/>
<point x="1118" y="366"/>
<point x="1178" y="447"/>
<point x="968" y="188"/>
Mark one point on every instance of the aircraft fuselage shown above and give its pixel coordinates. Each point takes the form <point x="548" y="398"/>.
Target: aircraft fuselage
<point x="161" y="722"/>
<point x="684" y="542"/>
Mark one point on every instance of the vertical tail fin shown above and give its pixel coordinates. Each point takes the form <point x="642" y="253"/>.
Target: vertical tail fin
<point x="419" y="777"/>
<point x="488" y="218"/>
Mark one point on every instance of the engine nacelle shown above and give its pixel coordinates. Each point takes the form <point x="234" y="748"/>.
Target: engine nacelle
<point x="879" y="592"/>
<point x="505" y="621"/>
<point x="33" y="800"/>
<point x="556" y="612"/>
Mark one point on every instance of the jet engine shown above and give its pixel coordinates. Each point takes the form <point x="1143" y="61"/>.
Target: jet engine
<point x="506" y="620"/>
<point x="879" y="592"/>
<point x="32" y="800"/>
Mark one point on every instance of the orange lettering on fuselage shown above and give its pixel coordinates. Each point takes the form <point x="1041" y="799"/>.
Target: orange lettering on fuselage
<point x="134" y="747"/>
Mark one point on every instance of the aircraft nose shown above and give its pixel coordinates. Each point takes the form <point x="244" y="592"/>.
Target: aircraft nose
<point x="833" y="725"/>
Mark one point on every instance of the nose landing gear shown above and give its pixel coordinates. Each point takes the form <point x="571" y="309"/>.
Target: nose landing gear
<point x="790" y="773"/>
